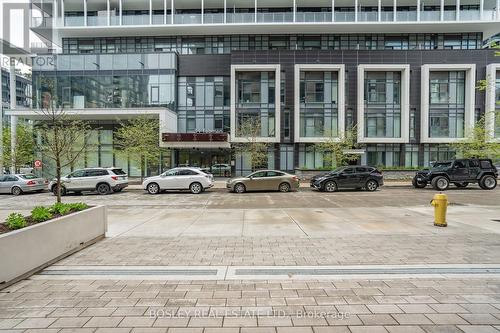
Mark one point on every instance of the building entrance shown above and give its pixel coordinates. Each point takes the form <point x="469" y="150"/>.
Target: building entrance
<point x="215" y="161"/>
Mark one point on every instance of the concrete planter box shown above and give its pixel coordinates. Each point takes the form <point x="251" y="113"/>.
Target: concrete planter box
<point x="28" y="250"/>
<point x="388" y="174"/>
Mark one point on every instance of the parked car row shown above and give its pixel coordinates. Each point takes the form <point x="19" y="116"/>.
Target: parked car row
<point x="460" y="172"/>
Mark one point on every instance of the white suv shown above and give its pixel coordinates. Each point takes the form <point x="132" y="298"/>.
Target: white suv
<point x="192" y="179"/>
<point x="101" y="180"/>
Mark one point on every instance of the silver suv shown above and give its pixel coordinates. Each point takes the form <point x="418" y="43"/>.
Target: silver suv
<point x="101" y="180"/>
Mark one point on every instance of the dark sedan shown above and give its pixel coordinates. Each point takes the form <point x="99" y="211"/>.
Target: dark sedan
<point x="355" y="177"/>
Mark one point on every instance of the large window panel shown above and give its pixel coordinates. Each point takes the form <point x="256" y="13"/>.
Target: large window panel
<point x="447" y="104"/>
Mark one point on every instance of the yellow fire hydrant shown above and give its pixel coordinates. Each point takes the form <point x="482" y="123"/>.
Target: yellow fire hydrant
<point x="440" y="203"/>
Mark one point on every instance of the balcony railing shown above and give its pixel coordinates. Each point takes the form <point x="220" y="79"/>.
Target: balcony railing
<point x="275" y="17"/>
<point x="344" y="17"/>
<point x="240" y="18"/>
<point x="135" y="19"/>
<point x="74" y="21"/>
<point x="408" y="16"/>
<point x="278" y="17"/>
<point x="97" y="20"/>
<point x="470" y="15"/>
<point x="213" y="18"/>
<point x="430" y="16"/>
<point x="187" y="18"/>
<point x="313" y="17"/>
<point x="367" y="16"/>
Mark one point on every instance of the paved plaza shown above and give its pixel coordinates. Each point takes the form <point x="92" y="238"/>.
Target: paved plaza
<point x="271" y="262"/>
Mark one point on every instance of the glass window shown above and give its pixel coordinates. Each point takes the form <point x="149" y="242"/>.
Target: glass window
<point x="447" y="104"/>
<point x="78" y="173"/>
<point x="382" y="111"/>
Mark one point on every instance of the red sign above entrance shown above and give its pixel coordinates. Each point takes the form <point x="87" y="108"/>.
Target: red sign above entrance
<point x="194" y="137"/>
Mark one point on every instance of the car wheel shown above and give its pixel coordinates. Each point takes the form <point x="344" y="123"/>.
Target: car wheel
<point x="240" y="188"/>
<point x="330" y="186"/>
<point x="461" y="185"/>
<point x="16" y="190"/>
<point x="488" y="182"/>
<point x="284" y="187"/>
<point x="196" y="188"/>
<point x="153" y="188"/>
<point x="54" y="190"/>
<point x="371" y="185"/>
<point x="417" y="184"/>
<point x="440" y="183"/>
<point x="103" y="189"/>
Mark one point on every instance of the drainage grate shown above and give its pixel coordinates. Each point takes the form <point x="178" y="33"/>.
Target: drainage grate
<point x="366" y="271"/>
<point x="195" y="272"/>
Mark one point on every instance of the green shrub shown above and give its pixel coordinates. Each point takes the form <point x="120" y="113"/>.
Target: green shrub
<point x="66" y="208"/>
<point x="78" y="206"/>
<point x="60" y="208"/>
<point x="15" y="221"/>
<point x="41" y="214"/>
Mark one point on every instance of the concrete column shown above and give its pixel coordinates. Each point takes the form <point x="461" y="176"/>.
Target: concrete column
<point x="333" y="10"/>
<point x="418" y="10"/>
<point x="355" y="10"/>
<point x="442" y="11"/>
<point x="120" y="5"/>
<point x="150" y="12"/>
<point x="225" y="11"/>
<point x="294" y="11"/>
<point x="55" y="13"/>
<point x="255" y="4"/>
<point x="172" y="10"/>
<point x="394" y="10"/>
<point x="62" y="13"/>
<point x="109" y="12"/>
<point x="379" y="11"/>
<point x="85" y="12"/>
<point x="202" y="11"/>
<point x="498" y="10"/>
<point x="457" y="14"/>
<point x="481" y="9"/>
<point x="164" y="11"/>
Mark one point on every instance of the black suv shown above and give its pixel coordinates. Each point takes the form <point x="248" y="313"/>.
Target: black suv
<point x="459" y="172"/>
<point x="356" y="177"/>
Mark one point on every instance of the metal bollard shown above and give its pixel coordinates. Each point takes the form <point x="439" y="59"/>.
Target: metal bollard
<point x="440" y="203"/>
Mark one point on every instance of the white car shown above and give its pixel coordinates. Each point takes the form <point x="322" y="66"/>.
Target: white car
<point x="192" y="179"/>
<point x="101" y="180"/>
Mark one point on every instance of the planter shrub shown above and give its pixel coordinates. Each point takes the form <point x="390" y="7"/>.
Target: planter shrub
<point x="40" y="214"/>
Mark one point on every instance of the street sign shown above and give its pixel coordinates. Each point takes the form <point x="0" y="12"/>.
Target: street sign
<point x="38" y="164"/>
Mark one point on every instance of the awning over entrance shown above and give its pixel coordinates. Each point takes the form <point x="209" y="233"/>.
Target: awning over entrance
<point x="195" y="140"/>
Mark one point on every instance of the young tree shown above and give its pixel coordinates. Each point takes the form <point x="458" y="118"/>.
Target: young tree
<point x="337" y="149"/>
<point x="250" y="131"/>
<point x="138" y="140"/>
<point x="25" y="146"/>
<point x="477" y="144"/>
<point x="63" y="139"/>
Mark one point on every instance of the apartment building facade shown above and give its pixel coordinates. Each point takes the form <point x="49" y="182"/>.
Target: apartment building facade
<point x="403" y="73"/>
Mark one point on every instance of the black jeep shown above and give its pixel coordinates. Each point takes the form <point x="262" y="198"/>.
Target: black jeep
<point x="459" y="172"/>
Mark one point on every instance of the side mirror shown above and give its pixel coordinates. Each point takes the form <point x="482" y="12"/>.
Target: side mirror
<point x="251" y="177"/>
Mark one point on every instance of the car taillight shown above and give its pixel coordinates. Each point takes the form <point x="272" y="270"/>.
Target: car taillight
<point x="295" y="178"/>
<point x="114" y="177"/>
<point x="31" y="182"/>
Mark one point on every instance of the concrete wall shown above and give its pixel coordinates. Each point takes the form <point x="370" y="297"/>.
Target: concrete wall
<point x="25" y="251"/>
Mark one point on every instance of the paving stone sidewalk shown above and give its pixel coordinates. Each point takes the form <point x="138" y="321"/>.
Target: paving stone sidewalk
<point x="405" y="305"/>
<point x="479" y="248"/>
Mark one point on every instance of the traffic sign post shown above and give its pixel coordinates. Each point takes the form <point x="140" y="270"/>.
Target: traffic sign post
<point x="38" y="164"/>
